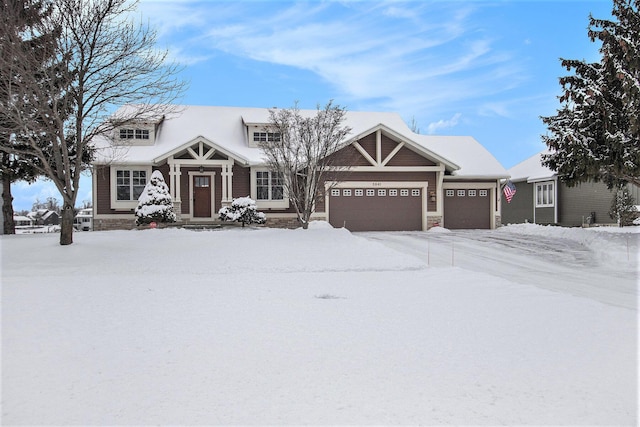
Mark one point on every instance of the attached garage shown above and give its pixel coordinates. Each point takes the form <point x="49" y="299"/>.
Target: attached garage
<point x="396" y="207"/>
<point x="467" y="208"/>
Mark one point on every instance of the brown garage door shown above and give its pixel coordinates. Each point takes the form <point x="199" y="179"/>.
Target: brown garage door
<point x="467" y="208"/>
<point x="376" y="209"/>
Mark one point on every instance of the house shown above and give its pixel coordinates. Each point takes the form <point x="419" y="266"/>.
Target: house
<point x="542" y="199"/>
<point x="44" y="217"/>
<point x="208" y="156"/>
<point x="22" y="221"/>
<point x="83" y="221"/>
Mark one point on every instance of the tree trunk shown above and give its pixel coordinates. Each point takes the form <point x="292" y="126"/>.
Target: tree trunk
<point x="66" y="225"/>
<point x="9" y="226"/>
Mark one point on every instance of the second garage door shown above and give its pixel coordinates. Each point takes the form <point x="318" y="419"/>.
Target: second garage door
<point x="376" y="209"/>
<point x="467" y="209"/>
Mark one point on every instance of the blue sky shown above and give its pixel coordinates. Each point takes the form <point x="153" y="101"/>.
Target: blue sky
<point x="488" y="69"/>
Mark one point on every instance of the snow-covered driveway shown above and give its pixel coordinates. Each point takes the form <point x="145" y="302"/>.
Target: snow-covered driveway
<point x="599" y="265"/>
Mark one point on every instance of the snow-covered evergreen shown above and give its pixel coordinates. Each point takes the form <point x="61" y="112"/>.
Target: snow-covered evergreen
<point x="242" y="209"/>
<point x="595" y="136"/>
<point x="623" y="208"/>
<point x="155" y="203"/>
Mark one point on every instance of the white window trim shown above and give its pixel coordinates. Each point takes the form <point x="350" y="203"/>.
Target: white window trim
<point x="125" y="205"/>
<point x="266" y="204"/>
<point x="550" y="185"/>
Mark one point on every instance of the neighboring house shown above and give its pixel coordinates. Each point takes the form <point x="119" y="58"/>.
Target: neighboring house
<point x="83" y="221"/>
<point x="44" y="217"/>
<point x="542" y="199"/>
<point x="208" y="156"/>
<point x="22" y="221"/>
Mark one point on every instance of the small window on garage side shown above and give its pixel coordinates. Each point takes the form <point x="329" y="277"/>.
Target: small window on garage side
<point x="371" y="192"/>
<point x="393" y="193"/>
<point x="472" y="193"/>
<point x="382" y="192"/>
<point x="415" y="192"/>
<point x="404" y="192"/>
<point x="335" y="192"/>
<point x="359" y="192"/>
<point x="450" y="193"/>
<point x="461" y="193"/>
<point x="346" y="192"/>
<point x="483" y="193"/>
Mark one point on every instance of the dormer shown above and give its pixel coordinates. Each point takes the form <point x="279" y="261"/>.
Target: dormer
<point x="259" y="132"/>
<point x="136" y="133"/>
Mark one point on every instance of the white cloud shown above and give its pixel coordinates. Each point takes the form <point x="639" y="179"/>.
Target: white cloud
<point x="415" y="58"/>
<point x="444" y="124"/>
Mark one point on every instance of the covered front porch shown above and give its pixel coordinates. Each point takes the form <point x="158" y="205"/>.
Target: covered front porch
<point x="201" y="179"/>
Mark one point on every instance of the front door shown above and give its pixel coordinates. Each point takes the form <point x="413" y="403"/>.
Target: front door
<point x="202" y="196"/>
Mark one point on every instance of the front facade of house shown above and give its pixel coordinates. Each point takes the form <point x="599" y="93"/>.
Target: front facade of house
<point x="542" y="199"/>
<point x="397" y="180"/>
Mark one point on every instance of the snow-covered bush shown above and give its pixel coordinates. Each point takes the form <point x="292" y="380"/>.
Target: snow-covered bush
<point x="623" y="208"/>
<point x="155" y="203"/>
<point x="242" y="209"/>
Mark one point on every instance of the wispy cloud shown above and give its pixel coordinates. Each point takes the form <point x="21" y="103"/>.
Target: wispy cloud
<point x="413" y="57"/>
<point x="444" y="124"/>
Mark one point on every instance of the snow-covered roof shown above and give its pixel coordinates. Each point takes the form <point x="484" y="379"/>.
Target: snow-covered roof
<point x="531" y="169"/>
<point x="473" y="159"/>
<point x="225" y="127"/>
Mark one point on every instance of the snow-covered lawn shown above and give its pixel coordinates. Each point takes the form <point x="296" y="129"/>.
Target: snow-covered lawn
<point x="263" y="326"/>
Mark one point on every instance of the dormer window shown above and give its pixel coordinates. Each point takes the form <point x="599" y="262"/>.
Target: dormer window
<point x="134" y="133"/>
<point x="259" y="137"/>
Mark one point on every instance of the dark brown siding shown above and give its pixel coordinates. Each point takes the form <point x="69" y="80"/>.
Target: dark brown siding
<point x="102" y="176"/>
<point x="241" y="181"/>
<point x="520" y="209"/>
<point x="349" y="156"/>
<point x="369" y="144"/>
<point x="406" y="157"/>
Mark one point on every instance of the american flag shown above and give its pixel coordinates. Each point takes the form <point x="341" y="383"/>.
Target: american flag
<point x="509" y="191"/>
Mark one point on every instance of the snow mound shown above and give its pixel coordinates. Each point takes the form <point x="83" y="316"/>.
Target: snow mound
<point x="439" y="229"/>
<point x="613" y="245"/>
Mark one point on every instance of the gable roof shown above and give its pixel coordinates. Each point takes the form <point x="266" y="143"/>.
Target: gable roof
<point x="224" y="128"/>
<point x="531" y="169"/>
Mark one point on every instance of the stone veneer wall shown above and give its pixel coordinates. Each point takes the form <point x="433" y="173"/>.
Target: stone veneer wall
<point x="114" y="224"/>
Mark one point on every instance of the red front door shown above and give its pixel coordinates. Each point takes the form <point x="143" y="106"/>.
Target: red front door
<point x="202" y="196"/>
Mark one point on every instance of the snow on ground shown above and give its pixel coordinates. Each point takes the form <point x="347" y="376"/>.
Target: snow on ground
<point x="262" y="326"/>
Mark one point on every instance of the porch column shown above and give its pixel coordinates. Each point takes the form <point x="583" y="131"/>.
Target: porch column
<point x="174" y="174"/>
<point x="227" y="183"/>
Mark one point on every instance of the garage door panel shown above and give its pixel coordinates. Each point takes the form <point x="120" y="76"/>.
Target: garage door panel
<point x="376" y="212"/>
<point x="465" y="210"/>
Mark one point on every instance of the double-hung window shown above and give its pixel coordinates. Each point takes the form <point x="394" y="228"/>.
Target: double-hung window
<point x="544" y="195"/>
<point x="130" y="184"/>
<point x="269" y="186"/>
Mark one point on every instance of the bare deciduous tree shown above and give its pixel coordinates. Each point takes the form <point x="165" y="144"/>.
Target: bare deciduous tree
<point x="302" y="153"/>
<point x="103" y="59"/>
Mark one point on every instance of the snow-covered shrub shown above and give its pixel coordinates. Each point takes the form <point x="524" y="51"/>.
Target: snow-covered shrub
<point x="623" y="208"/>
<point x="155" y="203"/>
<point x="242" y="209"/>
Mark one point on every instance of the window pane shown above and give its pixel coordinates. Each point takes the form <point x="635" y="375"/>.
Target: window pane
<point x="262" y="185"/>
<point x="277" y="189"/>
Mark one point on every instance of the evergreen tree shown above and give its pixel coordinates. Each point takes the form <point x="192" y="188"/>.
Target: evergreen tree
<point x="155" y="203"/>
<point x="623" y="207"/>
<point x="595" y="136"/>
<point x="22" y="32"/>
<point x="242" y="209"/>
